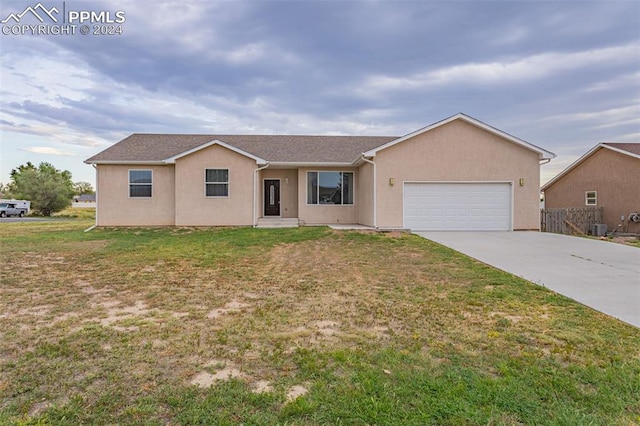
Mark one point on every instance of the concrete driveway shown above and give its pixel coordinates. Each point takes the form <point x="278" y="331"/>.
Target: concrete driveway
<point x="599" y="274"/>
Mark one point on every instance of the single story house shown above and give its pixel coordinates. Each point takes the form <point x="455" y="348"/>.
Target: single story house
<point x="84" y="201"/>
<point x="456" y="174"/>
<point x="84" y="198"/>
<point x="607" y="176"/>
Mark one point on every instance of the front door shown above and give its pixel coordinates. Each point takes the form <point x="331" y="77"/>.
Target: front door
<point x="272" y="197"/>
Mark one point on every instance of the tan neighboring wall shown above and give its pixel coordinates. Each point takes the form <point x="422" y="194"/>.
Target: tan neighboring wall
<point x="615" y="177"/>
<point x="325" y="214"/>
<point x="458" y="151"/>
<point x="115" y="208"/>
<point x="288" y="191"/>
<point x="193" y="208"/>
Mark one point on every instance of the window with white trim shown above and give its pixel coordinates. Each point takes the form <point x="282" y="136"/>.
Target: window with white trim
<point x="216" y="182"/>
<point x="330" y="188"/>
<point x="591" y="198"/>
<point x="140" y="183"/>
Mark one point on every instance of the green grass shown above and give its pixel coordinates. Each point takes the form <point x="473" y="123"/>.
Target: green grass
<point x="112" y="326"/>
<point x="77" y="212"/>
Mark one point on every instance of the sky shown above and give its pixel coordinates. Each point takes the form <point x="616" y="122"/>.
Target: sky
<point x="562" y="75"/>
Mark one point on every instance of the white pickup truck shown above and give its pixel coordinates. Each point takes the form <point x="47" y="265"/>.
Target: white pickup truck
<point x="11" y="209"/>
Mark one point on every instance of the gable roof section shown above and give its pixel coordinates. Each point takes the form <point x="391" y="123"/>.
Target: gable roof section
<point x="165" y="148"/>
<point x="544" y="154"/>
<point x="172" y="160"/>
<point x="630" y="149"/>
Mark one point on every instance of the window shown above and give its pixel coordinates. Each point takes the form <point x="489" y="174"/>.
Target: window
<point x="591" y="198"/>
<point x="216" y="182"/>
<point x="330" y="188"/>
<point x="140" y="183"/>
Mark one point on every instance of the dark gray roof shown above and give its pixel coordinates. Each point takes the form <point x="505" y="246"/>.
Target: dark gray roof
<point x="141" y="147"/>
<point x="633" y="148"/>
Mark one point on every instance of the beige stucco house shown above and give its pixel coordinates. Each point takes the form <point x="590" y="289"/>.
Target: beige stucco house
<point x="607" y="176"/>
<point x="457" y="174"/>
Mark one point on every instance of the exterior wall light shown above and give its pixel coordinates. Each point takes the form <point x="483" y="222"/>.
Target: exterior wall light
<point x="521" y="181"/>
<point x="392" y="181"/>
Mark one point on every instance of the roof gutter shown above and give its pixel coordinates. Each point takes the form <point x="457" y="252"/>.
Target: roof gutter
<point x="294" y="164"/>
<point x="255" y="193"/>
<point x="133" y="163"/>
<point x="375" y="191"/>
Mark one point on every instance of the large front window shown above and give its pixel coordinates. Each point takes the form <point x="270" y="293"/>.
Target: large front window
<point x="330" y="188"/>
<point x="216" y="182"/>
<point x="140" y="183"/>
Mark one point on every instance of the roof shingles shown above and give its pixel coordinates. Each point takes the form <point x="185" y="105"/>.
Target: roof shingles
<point x="141" y="147"/>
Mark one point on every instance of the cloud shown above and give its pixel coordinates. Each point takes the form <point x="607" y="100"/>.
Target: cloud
<point x="47" y="150"/>
<point x="615" y="83"/>
<point x="611" y="117"/>
<point x="520" y="70"/>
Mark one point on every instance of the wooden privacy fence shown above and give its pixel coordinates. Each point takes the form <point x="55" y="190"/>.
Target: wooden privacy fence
<point x="570" y="221"/>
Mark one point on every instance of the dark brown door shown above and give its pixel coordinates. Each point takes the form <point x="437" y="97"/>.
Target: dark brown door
<point x="271" y="197"/>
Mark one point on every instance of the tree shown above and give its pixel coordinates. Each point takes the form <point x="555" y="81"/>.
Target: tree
<point x="80" y="188"/>
<point x="49" y="189"/>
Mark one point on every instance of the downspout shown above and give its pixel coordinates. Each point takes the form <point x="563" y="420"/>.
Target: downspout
<point x="375" y="191"/>
<point x="255" y="190"/>
<point x="96" y="224"/>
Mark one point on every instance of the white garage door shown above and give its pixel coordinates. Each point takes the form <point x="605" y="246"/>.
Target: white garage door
<point x="457" y="206"/>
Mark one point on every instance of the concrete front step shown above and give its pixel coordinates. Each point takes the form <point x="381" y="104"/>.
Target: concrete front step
<point x="277" y="222"/>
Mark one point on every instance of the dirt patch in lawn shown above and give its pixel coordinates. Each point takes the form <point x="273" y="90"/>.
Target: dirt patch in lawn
<point x="296" y="392"/>
<point x="232" y="307"/>
<point x="205" y="379"/>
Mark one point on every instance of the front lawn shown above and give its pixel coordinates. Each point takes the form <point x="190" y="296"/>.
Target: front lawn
<point x="296" y="326"/>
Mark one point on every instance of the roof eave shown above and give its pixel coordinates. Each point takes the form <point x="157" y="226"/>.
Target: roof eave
<point x="310" y="164"/>
<point x="621" y="151"/>
<point x="133" y="163"/>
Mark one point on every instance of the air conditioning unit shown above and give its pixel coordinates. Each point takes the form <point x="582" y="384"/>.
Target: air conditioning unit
<point x="599" y="229"/>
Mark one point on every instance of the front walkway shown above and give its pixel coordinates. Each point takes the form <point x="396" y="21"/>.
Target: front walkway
<point x="600" y="274"/>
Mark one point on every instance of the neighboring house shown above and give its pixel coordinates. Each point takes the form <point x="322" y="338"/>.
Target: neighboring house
<point x="607" y="176"/>
<point x="84" y="201"/>
<point x="84" y="198"/>
<point x="457" y="174"/>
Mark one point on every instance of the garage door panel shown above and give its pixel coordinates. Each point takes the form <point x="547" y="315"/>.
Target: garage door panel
<point x="457" y="206"/>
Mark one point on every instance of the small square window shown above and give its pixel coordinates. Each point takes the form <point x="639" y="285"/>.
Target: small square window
<point x="216" y="182"/>
<point x="140" y="183"/>
<point x="591" y="198"/>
